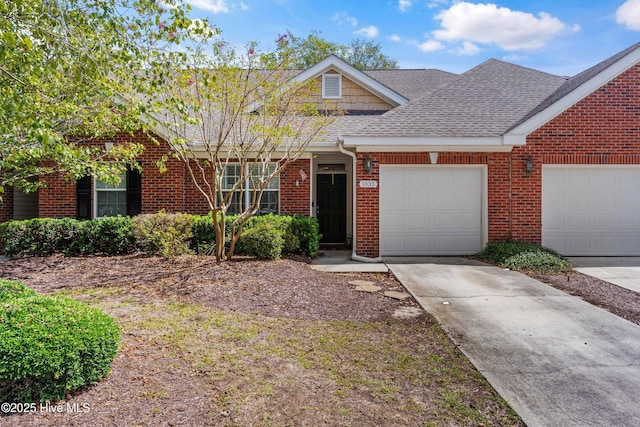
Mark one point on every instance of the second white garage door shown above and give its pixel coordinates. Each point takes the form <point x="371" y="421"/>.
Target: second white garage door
<point x="591" y="210"/>
<point x="431" y="210"/>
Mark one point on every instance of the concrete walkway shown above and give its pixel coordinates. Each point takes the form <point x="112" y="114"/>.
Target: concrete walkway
<point x="556" y="359"/>
<point x="621" y="271"/>
<point x="335" y="261"/>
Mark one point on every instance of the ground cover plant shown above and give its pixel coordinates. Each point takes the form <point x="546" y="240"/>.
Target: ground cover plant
<point x="525" y="257"/>
<point x="262" y="344"/>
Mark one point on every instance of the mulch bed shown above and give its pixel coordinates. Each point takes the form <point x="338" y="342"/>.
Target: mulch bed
<point x="284" y="288"/>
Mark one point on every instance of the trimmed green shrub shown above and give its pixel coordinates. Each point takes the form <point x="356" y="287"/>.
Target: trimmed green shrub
<point x="301" y="233"/>
<point x="264" y="241"/>
<point x="10" y="290"/>
<point x="112" y="235"/>
<point x="45" y="236"/>
<point x="163" y="233"/>
<point x="524" y="256"/>
<point x="51" y="345"/>
<point x="307" y="230"/>
<point x="38" y="236"/>
<point x="204" y="235"/>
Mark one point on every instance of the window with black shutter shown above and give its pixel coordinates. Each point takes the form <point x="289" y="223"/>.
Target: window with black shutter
<point x="134" y="192"/>
<point x="110" y="200"/>
<point x="83" y="198"/>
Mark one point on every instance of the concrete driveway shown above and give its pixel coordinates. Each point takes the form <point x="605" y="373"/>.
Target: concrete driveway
<point x="556" y="359"/>
<point x="621" y="271"/>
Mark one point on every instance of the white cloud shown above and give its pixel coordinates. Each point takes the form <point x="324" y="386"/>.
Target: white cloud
<point x="404" y="5"/>
<point x="490" y="24"/>
<point x="243" y="6"/>
<point x="370" y="31"/>
<point x="395" y="38"/>
<point x="215" y="6"/>
<point x="468" y="49"/>
<point x="343" y="17"/>
<point x="628" y="14"/>
<point x="429" y="46"/>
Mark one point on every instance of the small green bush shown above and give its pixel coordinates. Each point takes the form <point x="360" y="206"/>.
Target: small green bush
<point x="301" y="233"/>
<point x="112" y="235"/>
<point x="308" y="232"/>
<point x="204" y="235"/>
<point x="163" y="233"/>
<point x="263" y="241"/>
<point x="524" y="256"/>
<point x="51" y="345"/>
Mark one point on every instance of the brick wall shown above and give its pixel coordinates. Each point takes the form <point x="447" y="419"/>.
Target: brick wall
<point x="295" y="194"/>
<point x="173" y="190"/>
<point x="6" y="206"/>
<point x="159" y="191"/>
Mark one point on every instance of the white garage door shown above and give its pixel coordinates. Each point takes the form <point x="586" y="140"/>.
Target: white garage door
<point x="591" y="210"/>
<point x="430" y="210"/>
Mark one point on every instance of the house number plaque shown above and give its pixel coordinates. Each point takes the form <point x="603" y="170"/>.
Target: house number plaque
<point x="368" y="184"/>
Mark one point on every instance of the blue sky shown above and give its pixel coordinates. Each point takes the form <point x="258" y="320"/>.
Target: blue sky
<point x="561" y="37"/>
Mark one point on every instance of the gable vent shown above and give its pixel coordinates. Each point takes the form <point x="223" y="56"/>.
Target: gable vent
<point x="332" y="86"/>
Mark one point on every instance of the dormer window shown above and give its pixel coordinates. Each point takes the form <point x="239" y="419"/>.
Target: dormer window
<point x="332" y="86"/>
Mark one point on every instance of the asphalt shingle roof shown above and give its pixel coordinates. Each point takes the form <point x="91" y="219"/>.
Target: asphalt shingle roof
<point x="412" y="83"/>
<point x="485" y="101"/>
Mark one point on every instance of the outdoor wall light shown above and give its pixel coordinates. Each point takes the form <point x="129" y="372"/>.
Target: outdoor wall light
<point x="528" y="165"/>
<point x="368" y="164"/>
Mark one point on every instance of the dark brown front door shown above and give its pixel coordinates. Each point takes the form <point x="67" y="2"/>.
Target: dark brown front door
<point x="331" y="207"/>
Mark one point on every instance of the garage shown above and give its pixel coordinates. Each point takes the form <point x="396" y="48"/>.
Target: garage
<point x="591" y="210"/>
<point x="431" y="210"/>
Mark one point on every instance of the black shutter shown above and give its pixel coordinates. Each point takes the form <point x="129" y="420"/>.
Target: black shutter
<point x="83" y="198"/>
<point x="134" y="192"/>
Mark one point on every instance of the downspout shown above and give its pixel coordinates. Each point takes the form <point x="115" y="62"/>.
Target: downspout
<point x="354" y="255"/>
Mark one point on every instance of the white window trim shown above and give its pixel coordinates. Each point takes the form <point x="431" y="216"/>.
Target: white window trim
<point x="97" y="190"/>
<point x="248" y="190"/>
<point x="331" y="76"/>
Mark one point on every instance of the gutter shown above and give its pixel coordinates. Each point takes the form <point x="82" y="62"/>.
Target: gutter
<point x="354" y="255"/>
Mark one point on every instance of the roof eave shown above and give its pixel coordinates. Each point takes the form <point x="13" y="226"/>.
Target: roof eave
<point x="426" y="144"/>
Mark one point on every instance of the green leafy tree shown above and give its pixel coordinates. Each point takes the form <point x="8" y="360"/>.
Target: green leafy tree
<point x="63" y="64"/>
<point x="308" y="51"/>
<point x="236" y="120"/>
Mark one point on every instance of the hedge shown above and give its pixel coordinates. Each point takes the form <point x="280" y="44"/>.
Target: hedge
<point x="50" y="346"/>
<point x="161" y="233"/>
